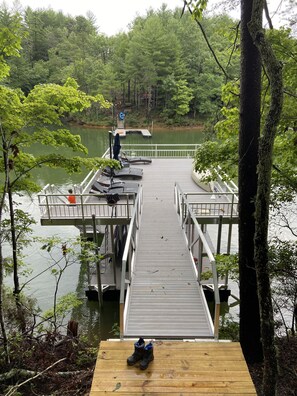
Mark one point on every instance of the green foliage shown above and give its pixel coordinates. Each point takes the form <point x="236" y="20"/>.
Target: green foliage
<point x="115" y="330"/>
<point x="11" y="313"/>
<point x="127" y="67"/>
<point x="180" y="96"/>
<point x="10" y="38"/>
<point x="226" y="265"/>
<point x="198" y="7"/>
<point x="224" y="150"/>
<point x="283" y="269"/>
<point x="229" y="328"/>
<point x="220" y="152"/>
<point x="86" y="357"/>
<point x="64" y="305"/>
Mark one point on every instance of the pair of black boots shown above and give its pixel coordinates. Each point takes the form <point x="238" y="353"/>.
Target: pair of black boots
<point x="143" y="353"/>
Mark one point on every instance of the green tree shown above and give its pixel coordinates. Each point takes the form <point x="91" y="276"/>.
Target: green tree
<point x="179" y="97"/>
<point x="25" y="120"/>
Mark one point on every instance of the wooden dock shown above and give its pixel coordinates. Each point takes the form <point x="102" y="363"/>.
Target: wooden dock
<point x="179" y="368"/>
<point x="123" y="132"/>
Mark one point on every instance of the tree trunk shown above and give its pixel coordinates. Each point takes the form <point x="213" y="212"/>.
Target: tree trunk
<point x="2" y="203"/>
<point x="250" y="99"/>
<point x="16" y="291"/>
<point x="8" y="191"/>
<point x="274" y="72"/>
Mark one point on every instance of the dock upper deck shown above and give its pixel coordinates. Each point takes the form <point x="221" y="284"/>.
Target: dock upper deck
<point x="161" y="288"/>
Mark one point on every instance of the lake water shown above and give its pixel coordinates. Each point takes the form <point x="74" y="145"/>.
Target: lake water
<point x="97" y="325"/>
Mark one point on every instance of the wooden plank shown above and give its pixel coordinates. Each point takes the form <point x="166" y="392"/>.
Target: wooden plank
<point x="175" y="385"/>
<point x="177" y="354"/>
<point x="179" y="368"/>
<point x="179" y="364"/>
<point x="208" y="375"/>
<point x="215" y="346"/>
<point x="172" y="393"/>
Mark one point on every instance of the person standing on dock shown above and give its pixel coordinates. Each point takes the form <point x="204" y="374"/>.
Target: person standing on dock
<point x="71" y="198"/>
<point x="116" y="147"/>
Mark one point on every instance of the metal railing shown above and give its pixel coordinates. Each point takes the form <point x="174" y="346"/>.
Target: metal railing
<point x="55" y="206"/>
<point x="226" y="186"/>
<point x="160" y="150"/>
<point x="187" y="221"/>
<point x="128" y="260"/>
<point x="215" y="206"/>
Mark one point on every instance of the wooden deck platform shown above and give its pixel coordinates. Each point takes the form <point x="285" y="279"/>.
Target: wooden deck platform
<point x="179" y="368"/>
<point x="125" y="131"/>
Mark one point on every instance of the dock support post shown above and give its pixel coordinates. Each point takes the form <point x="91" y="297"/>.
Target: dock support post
<point x="113" y="254"/>
<point x="219" y="234"/>
<point x="97" y="251"/>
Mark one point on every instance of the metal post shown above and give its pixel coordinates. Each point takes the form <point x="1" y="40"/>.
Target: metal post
<point x="97" y="251"/>
<point x="110" y="144"/>
<point x="113" y="254"/>
<point x="219" y="234"/>
<point x="230" y="227"/>
<point x="229" y="239"/>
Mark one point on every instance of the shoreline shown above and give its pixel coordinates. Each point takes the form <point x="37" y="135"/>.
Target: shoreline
<point x="158" y="127"/>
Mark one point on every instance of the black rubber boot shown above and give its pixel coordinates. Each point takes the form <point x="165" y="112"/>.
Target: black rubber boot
<point x="138" y="352"/>
<point x="148" y="356"/>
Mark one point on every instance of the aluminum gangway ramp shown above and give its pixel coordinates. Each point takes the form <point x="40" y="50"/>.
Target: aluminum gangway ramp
<point x="165" y="299"/>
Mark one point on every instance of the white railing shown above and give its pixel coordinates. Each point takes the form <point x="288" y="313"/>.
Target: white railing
<point x="188" y="221"/>
<point x="56" y="206"/>
<point x="226" y="186"/>
<point x="160" y="150"/>
<point x="128" y="260"/>
<point x="214" y="206"/>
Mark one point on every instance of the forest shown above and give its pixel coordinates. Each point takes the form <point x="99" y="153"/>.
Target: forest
<point x="162" y="68"/>
<point x="179" y="69"/>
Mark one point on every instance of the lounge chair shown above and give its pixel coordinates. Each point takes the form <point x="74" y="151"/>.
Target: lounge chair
<point x="109" y="182"/>
<point x="98" y="188"/>
<point x="127" y="173"/>
<point x="135" y="160"/>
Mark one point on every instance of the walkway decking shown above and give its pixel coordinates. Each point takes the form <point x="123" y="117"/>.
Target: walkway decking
<point x="165" y="298"/>
<point x="179" y="368"/>
<point x="124" y="131"/>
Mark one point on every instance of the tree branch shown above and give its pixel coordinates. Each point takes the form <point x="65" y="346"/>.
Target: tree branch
<point x="16" y="387"/>
<point x="267" y="15"/>
<point x="234" y="44"/>
<point x="207" y="42"/>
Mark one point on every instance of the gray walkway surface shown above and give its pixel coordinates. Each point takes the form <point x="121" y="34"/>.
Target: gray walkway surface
<point x="165" y="298"/>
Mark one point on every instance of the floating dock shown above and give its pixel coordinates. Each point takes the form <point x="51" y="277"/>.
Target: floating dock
<point x="123" y="132"/>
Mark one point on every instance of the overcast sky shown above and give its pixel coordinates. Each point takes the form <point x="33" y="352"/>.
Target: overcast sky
<point x="112" y="16"/>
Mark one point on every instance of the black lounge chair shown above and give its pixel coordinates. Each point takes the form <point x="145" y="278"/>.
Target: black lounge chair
<point x="98" y="188"/>
<point x="109" y="182"/>
<point x="127" y="173"/>
<point x="135" y="160"/>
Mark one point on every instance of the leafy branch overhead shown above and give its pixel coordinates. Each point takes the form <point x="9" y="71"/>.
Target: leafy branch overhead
<point x="36" y="119"/>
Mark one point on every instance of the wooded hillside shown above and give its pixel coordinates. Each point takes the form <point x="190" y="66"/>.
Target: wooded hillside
<point x="162" y="67"/>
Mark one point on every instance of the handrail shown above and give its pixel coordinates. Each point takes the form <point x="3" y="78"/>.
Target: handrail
<point x="51" y="207"/>
<point x="128" y="256"/>
<point x="161" y="150"/>
<point x="230" y="185"/>
<point x="187" y="217"/>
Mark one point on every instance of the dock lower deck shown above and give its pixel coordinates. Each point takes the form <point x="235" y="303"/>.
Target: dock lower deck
<point x="179" y="368"/>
